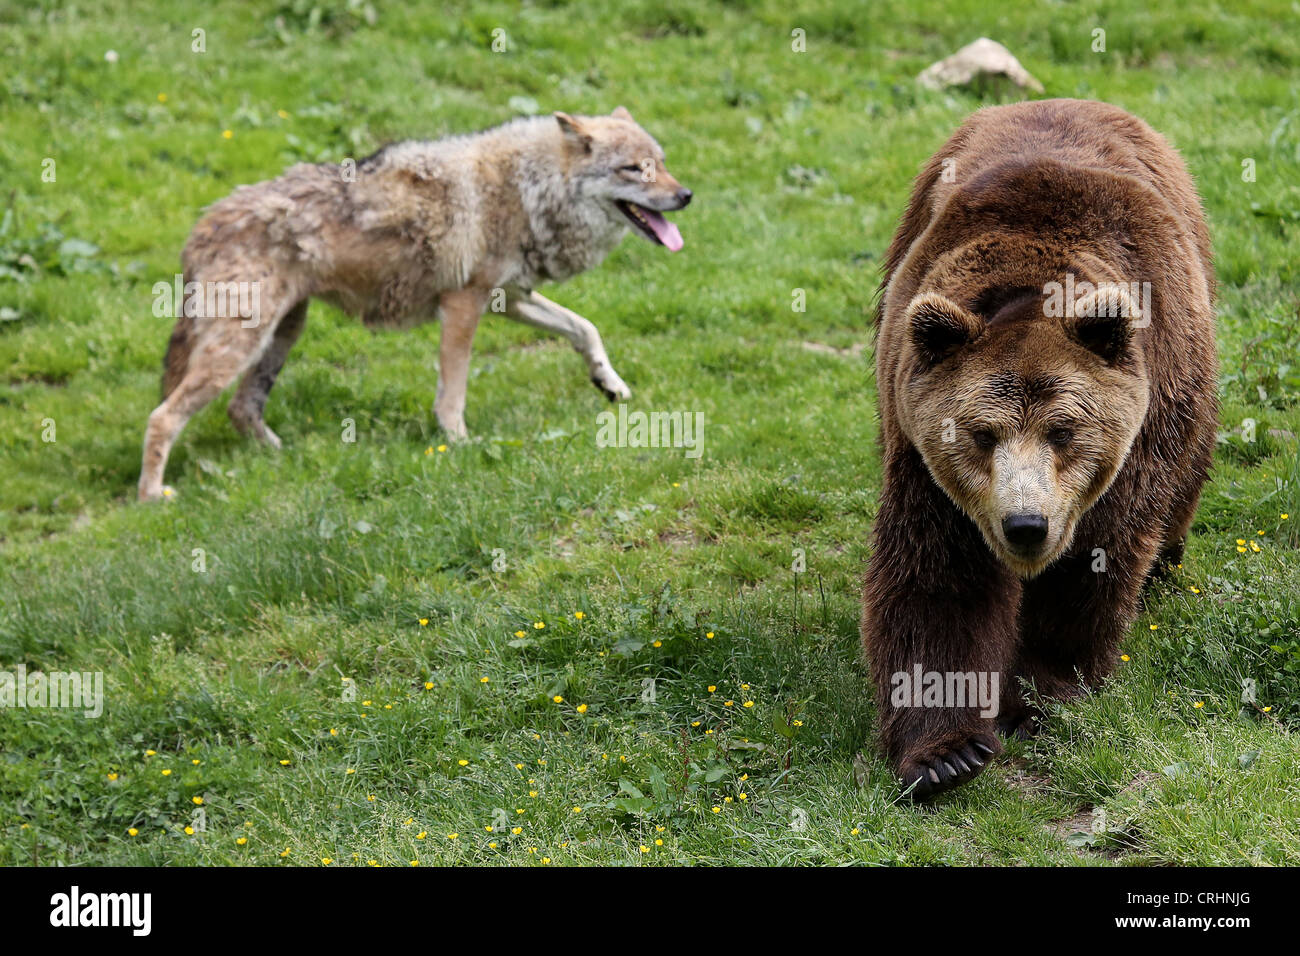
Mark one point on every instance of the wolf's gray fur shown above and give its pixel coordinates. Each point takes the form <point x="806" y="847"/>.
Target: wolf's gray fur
<point x="417" y="230"/>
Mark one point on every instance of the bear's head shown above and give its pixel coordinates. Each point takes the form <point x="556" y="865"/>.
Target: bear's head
<point x="1024" y="420"/>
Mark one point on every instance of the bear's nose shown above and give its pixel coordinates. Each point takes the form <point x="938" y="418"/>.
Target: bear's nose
<point x="1025" y="529"/>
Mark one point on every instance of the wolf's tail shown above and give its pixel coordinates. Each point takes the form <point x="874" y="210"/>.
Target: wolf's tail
<point x="177" y="361"/>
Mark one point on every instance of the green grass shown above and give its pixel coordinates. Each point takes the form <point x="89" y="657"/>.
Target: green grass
<point x="322" y="561"/>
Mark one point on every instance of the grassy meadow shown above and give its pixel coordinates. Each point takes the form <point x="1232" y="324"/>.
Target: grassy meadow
<point x="529" y="650"/>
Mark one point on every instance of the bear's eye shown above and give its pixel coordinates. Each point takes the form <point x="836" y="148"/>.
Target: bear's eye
<point x="984" y="438"/>
<point x="1060" y="437"/>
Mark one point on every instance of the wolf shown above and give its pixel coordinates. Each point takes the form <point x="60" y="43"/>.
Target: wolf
<point x="416" y="231"/>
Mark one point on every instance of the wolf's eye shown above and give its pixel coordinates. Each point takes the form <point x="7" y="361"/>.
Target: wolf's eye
<point x="1060" y="437"/>
<point x="984" y="438"/>
<point x="630" y="168"/>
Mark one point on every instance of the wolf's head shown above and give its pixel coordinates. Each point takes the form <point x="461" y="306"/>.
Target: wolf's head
<point x="617" y="164"/>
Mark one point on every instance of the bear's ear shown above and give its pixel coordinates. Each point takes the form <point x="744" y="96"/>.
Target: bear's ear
<point x="939" y="327"/>
<point x="574" y="131"/>
<point x="1103" y="323"/>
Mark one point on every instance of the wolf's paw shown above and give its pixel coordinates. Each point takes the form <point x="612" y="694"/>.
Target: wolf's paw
<point x="161" y="493"/>
<point x="947" y="765"/>
<point x="608" y="381"/>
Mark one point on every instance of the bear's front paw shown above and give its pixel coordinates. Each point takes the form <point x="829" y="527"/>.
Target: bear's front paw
<point x="947" y="765"/>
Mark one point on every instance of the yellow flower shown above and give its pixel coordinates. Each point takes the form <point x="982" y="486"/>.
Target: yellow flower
<point x="581" y="708"/>
<point x="492" y="846"/>
<point x="854" y="832"/>
<point x="325" y="861"/>
<point x="442" y="448"/>
<point x="658" y="644"/>
<point x="1198" y="705"/>
<point x="644" y="848"/>
<point x="742" y="796"/>
<point x="744" y="687"/>
<point x="577" y="809"/>
<point x="1155" y="627"/>
<point x="748" y="703"/>
<point x="695" y="723"/>
<point x="1254" y="546"/>
<point x="424" y="622"/>
<point x="112" y="776"/>
<point x="371" y="797"/>
<point x="1268" y="708"/>
<point x="226" y="134"/>
<point x="1195" y="590"/>
<point x="415" y="863"/>
<point x="452" y="836"/>
<point x="659" y="842"/>
<point x="709" y="635"/>
<point x="712" y="688"/>
<point x="558" y="699"/>
<point x="422" y="834"/>
<point x="1285" y="516"/>
<point x="196" y="762"/>
<point x="1123" y="657"/>
<point x="1241" y="550"/>
<point x="539" y="624"/>
<point x="463" y="763"/>
<point x="283" y="114"/>
<point x="1241" y="541"/>
<point x="132" y="832"/>
<point x="240" y="841"/>
<point x="162" y="97"/>
<point x="429" y="450"/>
<point x="726" y="800"/>
<point x="517" y="830"/>
<point x="189" y="831"/>
<point x="519" y="766"/>
<point x="728" y="703"/>
<point x="482" y="680"/>
<point x="197" y="801"/>
<point x="166" y="773"/>
<point x="579" y="615"/>
<point x="334" y="732"/>
<point x="428" y="685"/>
<point x="798" y="723"/>
<point x="717" y="809"/>
<point x="519" y="634"/>
<point x="150" y="753"/>
<point x="285" y="853"/>
<point x="284" y="763"/>
<point x="744" y="776"/>
<point x="350" y="770"/>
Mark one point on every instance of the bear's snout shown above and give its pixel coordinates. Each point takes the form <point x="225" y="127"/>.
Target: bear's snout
<point x="1025" y="530"/>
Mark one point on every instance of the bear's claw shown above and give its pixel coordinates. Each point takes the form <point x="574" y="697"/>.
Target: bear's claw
<point x="946" y="767"/>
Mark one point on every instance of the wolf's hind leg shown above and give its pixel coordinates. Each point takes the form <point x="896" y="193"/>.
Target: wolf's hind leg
<point x="249" y="401"/>
<point x="540" y="312"/>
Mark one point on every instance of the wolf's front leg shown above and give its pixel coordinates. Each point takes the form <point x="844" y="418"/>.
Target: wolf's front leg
<point x="460" y="314"/>
<point x="540" y="312"/>
<point x="939" y="626"/>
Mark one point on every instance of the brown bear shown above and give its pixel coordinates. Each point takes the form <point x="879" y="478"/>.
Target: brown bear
<point x="1046" y="368"/>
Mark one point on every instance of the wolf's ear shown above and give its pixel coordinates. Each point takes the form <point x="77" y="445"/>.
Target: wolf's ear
<point x="1103" y="323"/>
<point x="939" y="327"/>
<point x="573" y="130"/>
<point x="620" y="112"/>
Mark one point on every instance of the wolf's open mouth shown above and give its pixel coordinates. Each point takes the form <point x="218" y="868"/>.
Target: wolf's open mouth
<point x="652" y="224"/>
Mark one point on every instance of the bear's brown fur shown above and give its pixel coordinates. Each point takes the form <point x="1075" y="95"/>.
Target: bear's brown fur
<point x="1037" y="466"/>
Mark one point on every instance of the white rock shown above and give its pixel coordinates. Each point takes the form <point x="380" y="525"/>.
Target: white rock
<point x="983" y="61"/>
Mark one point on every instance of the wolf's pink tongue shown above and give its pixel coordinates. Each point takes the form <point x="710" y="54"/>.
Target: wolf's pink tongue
<point x="667" y="232"/>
